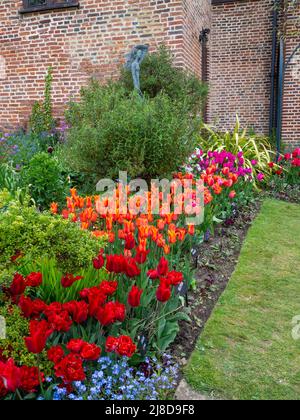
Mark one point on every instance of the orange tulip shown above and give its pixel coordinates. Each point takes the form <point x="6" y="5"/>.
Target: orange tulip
<point x="144" y="232"/>
<point x="88" y="201"/>
<point x="111" y="237"/>
<point x="161" y="224"/>
<point x="180" y="234"/>
<point x="99" y="233"/>
<point x="70" y="202"/>
<point x="142" y="247"/>
<point x="191" y="230"/>
<point x="150" y="218"/>
<point x="54" y="208"/>
<point x="65" y="214"/>
<point x="167" y="249"/>
<point x="160" y="241"/>
<point x="128" y="226"/>
<point x="109" y="223"/>
<point x="169" y="218"/>
<point x="154" y="233"/>
<point x="73" y="192"/>
<point x="172" y="236"/>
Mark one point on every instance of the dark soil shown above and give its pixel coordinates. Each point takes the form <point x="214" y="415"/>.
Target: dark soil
<point x="289" y="193"/>
<point x="215" y="262"/>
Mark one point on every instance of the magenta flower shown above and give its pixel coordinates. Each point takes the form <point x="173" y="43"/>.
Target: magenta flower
<point x="260" y="177"/>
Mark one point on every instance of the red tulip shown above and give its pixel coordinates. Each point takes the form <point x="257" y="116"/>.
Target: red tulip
<point x="163" y="267"/>
<point x="78" y="310"/>
<point x="132" y="269"/>
<point x="60" y="321"/>
<point x="11" y="375"/>
<point x="68" y="280"/>
<point x="111" y="344"/>
<point x="90" y="352"/>
<point x="153" y="274"/>
<point x="120" y="311"/>
<point x="175" y="278"/>
<point x="163" y="293"/>
<point x="96" y="298"/>
<point x="75" y="345"/>
<point x="70" y="368"/>
<point x="40" y="331"/>
<point x="129" y="241"/>
<point x="110" y="313"/>
<point x="108" y="287"/>
<point x="99" y="261"/>
<point x="31" y="378"/>
<point x="134" y="297"/>
<point x="55" y="354"/>
<point x="141" y="256"/>
<point x="34" y="280"/>
<point x="17" y="287"/>
<point x="125" y="347"/>
<point x="31" y="308"/>
<point x="115" y="263"/>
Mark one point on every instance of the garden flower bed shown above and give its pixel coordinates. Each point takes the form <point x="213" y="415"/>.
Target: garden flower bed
<point x="129" y="302"/>
<point x="103" y="296"/>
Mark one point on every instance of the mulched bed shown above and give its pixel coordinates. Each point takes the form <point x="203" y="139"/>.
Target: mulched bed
<point x="215" y="262"/>
<point x="289" y="193"/>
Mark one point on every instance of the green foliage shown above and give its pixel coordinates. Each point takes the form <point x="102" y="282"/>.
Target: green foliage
<point x="112" y="131"/>
<point x="254" y="148"/>
<point x="43" y="176"/>
<point x="5" y="198"/>
<point x="13" y="346"/>
<point x="38" y="235"/>
<point x="9" y="186"/>
<point x="49" y="121"/>
<point x="41" y="119"/>
<point x="37" y="119"/>
<point x="285" y="181"/>
<point x="8" y="178"/>
<point x="159" y="75"/>
<point x="19" y="148"/>
<point x="52" y="290"/>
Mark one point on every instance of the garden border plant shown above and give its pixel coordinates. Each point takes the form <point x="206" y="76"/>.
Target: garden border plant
<point x="94" y="287"/>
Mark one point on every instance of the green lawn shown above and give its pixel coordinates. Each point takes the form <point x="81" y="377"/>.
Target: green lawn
<point x="246" y="350"/>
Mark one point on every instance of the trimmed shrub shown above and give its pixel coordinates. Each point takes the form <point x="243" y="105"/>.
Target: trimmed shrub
<point x="44" y="179"/>
<point x="112" y="131"/>
<point x="36" y="235"/>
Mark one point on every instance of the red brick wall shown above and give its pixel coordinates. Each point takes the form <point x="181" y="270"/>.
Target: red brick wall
<point x="241" y="45"/>
<point x="197" y="16"/>
<point x="291" y="102"/>
<point x="92" y="41"/>
<point x="80" y="43"/>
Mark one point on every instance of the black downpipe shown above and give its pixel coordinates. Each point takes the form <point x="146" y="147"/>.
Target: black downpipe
<point x="273" y="69"/>
<point x="203" y="39"/>
<point x="280" y="97"/>
<point x="283" y="64"/>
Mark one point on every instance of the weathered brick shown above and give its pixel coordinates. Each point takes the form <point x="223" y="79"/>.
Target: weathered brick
<point x="87" y="42"/>
<point x="91" y="42"/>
<point x="240" y="68"/>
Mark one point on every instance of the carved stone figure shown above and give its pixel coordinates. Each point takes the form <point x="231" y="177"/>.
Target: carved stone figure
<point x="133" y="63"/>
